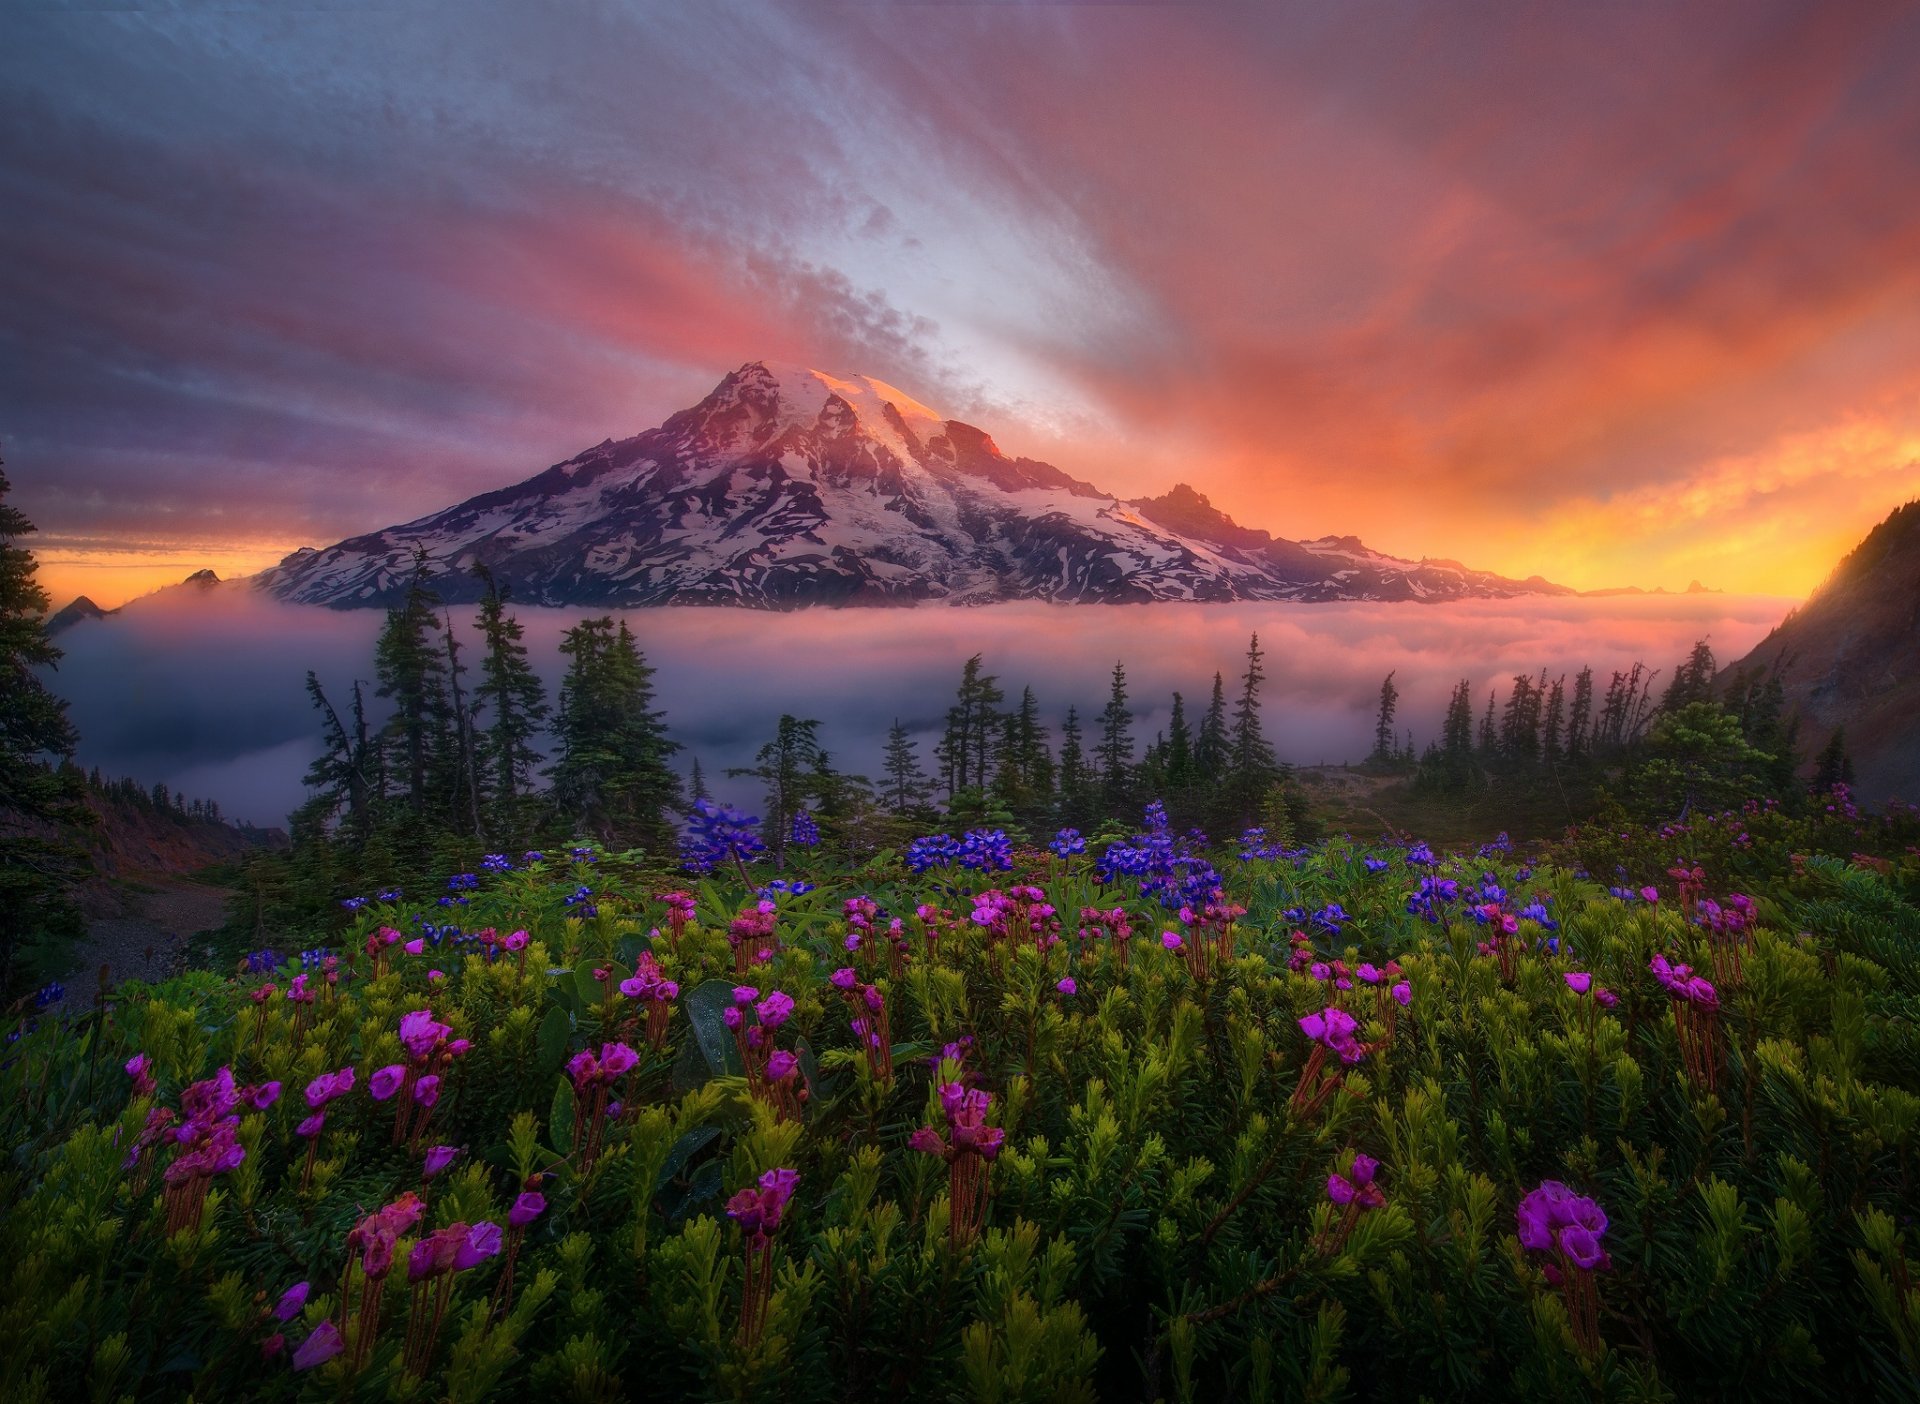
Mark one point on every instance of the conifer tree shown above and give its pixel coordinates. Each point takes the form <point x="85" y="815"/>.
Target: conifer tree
<point x="611" y="774"/>
<point x="1179" y="750"/>
<point x="794" y="768"/>
<point x="697" y="784"/>
<point x="907" y="788"/>
<point x="1580" y="715"/>
<point x="965" y="752"/>
<point x="37" y="912"/>
<point x="1210" y="746"/>
<point x="515" y="703"/>
<point x="1553" y="727"/>
<point x="1833" y="766"/>
<point x="1113" y="757"/>
<point x="407" y="663"/>
<point x="1383" y="752"/>
<point x="1075" y="779"/>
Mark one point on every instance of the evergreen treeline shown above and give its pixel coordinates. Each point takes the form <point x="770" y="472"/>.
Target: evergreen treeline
<point x="158" y="800"/>
<point x="1662" y="754"/>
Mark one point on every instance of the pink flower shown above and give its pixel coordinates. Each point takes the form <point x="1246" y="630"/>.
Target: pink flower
<point x="775" y="1009"/>
<point x="1170" y="940"/>
<point x="1651" y="894"/>
<point x="427" y="1091"/>
<point x="320" y="1347"/>
<point x="844" y="978"/>
<point x="516" y="941"/>
<point x="781" y="1065"/>
<point x="310" y="1128"/>
<point x="291" y="1301"/>
<point x="1579" y="981"/>
<point x="263" y="1096"/>
<point x="140" y="1069"/>
<point x="1403" y="994"/>
<point x="615" y="1059"/>
<point x="386" y="1082"/>
<point x="438" y="1159"/>
<point x="417" y="946"/>
<point x="1068" y="987"/>
<point x="1606" y="998"/>
<point x="434" y="977"/>
<point x="528" y="1207"/>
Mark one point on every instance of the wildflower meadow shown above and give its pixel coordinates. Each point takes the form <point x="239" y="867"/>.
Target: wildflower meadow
<point x="1116" y="1116"/>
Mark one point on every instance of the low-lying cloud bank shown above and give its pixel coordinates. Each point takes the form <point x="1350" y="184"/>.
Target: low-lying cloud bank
<point x="204" y="691"/>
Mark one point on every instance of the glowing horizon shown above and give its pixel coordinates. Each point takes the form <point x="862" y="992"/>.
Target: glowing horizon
<point x="1616" y="296"/>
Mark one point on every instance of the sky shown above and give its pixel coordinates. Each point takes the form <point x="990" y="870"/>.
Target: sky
<point x="1617" y="292"/>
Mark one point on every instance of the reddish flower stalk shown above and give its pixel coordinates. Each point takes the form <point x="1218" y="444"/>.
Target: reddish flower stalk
<point x="751" y="936"/>
<point x="1332" y="1031"/>
<point x="529" y="1206"/>
<point x="430" y="1271"/>
<point x="679" y="913"/>
<point x="869" y="1023"/>
<point x="1553" y="1219"/>
<point x="593" y="1078"/>
<point x="1696" y="1021"/>
<point x="759" y="1211"/>
<point x="969" y="1146"/>
<point x="370" y="1246"/>
<point x="260" y="996"/>
<point x="649" y="986"/>
<point x="1112" y="926"/>
<point x="772" y="1075"/>
<point x="1356" y="1193"/>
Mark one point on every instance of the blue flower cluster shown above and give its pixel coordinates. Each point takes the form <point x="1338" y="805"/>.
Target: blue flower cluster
<point x="981" y="851"/>
<point x="1502" y="844"/>
<point x="1168" y="865"/>
<point x="803" y="831"/>
<point x="497" y="863"/>
<point x="1426" y="899"/>
<point x="1375" y="865"/>
<point x="795" y="888"/>
<point x="1067" y="843"/>
<point x="463" y="882"/>
<point x="581" y="901"/>
<point x="48" y="994"/>
<point x="587" y="855"/>
<point x="1537" y="911"/>
<point x="392" y="894"/>
<point x="315" y="958"/>
<point x="718" y="834"/>
<point x="1331" y="918"/>
<point x="353" y="904"/>
<point x="260" y="962"/>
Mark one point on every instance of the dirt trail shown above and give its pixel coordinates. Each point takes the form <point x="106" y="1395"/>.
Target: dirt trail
<point x="144" y="941"/>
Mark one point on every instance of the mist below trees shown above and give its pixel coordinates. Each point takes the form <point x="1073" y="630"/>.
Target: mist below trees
<point x="207" y="693"/>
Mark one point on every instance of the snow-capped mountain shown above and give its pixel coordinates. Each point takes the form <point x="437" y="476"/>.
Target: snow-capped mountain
<point x="788" y="487"/>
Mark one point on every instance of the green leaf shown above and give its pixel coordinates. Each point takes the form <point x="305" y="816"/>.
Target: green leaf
<point x="560" y="1118"/>
<point x="682" y="1151"/>
<point x="556" y="1031"/>
<point x="705" y="1008"/>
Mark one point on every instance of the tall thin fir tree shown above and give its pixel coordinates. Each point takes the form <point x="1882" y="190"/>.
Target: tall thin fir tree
<point x="1113" y="757"/>
<point x="466" y="799"/>
<point x="408" y="664"/>
<point x="1489" y="740"/>
<point x="1075" y="779"/>
<point x="794" y="768"/>
<point x="611" y="775"/>
<point x="908" y="788"/>
<point x="697" y="784"/>
<point x="1580" y="715"/>
<point x="1253" y="768"/>
<point x="38" y="915"/>
<point x="1210" y="746"/>
<point x="1383" y="750"/>
<point x="514" y="701"/>
<point x="1179" y="761"/>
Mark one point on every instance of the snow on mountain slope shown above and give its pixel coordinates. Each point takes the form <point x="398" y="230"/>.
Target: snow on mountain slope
<point x="788" y="487"/>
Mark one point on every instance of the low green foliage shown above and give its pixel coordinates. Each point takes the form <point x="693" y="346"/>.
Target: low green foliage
<point x="1162" y="1214"/>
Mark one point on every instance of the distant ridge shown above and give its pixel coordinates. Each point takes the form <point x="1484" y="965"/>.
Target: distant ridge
<point x="1850" y="657"/>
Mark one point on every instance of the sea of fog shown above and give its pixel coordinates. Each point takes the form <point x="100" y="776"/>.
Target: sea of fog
<point x="205" y="690"/>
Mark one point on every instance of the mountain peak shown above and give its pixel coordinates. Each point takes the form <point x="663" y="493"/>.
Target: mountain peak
<point x="789" y="486"/>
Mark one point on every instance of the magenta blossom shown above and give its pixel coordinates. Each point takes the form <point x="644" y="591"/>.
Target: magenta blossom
<point x="1579" y="981"/>
<point x="320" y="1347"/>
<point x="438" y="1158"/>
<point x="528" y="1207"/>
<point x="1357" y="1186"/>
<point x="291" y="1301"/>
<point x="1068" y="987"/>
<point x="386" y="1082"/>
